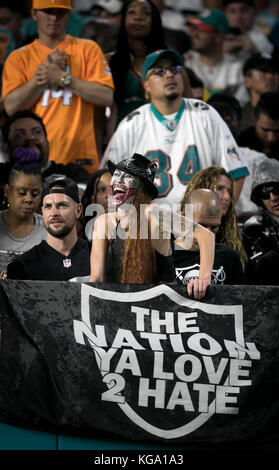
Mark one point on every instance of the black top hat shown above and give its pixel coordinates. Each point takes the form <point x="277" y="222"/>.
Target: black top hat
<point x="138" y="165"/>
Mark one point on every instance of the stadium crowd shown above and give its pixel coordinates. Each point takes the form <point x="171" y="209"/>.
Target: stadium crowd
<point x="118" y="114"/>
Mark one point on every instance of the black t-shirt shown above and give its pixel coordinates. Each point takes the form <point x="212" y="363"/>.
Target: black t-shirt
<point x="44" y="263"/>
<point x="227" y="268"/>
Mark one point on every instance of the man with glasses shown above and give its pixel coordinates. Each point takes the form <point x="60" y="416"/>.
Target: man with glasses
<point x="227" y="268"/>
<point x="261" y="232"/>
<point x="180" y="135"/>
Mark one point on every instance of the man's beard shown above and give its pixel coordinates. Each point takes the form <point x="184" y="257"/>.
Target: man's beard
<point x="172" y="96"/>
<point x="63" y="232"/>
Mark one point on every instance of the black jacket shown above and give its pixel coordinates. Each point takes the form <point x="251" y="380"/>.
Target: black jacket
<point x="261" y="242"/>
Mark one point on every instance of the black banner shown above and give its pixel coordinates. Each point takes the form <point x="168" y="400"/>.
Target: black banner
<point x="141" y="363"/>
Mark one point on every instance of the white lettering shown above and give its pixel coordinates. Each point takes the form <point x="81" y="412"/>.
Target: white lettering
<point x="204" y="390"/>
<point x="194" y="343"/>
<point x="158" y="393"/>
<point x="195" y="366"/>
<point x="237" y="371"/>
<point x="185" y="320"/>
<point x="154" y="340"/>
<point x="237" y="351"/>
<point x="82" y="330"/>
<point x="140" y="314"/>
<point x="128" y="361"/>
<point x="180" y="396"/>
<point x="215" y="376"/>
<point x="223" y="398"/>
<point x="126" y="338"/>
<point x="157" y="322"/>
<point x="158" y="371"/>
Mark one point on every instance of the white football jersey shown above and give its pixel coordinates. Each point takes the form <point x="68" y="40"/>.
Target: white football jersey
<point x="195" y="138"/>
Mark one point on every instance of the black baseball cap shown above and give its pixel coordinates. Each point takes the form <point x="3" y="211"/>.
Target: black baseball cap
<point x="67" y="186"/>
<point x="262" y="62"/>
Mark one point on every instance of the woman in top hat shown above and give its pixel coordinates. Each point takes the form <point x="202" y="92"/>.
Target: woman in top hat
<point x="141" y="256"/>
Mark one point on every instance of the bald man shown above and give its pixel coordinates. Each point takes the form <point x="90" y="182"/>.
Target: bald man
<point x="227" y="268"/>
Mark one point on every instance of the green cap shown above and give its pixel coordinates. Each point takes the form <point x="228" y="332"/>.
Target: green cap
<point x="154" y="56"/>
<point x="211" y="20"/>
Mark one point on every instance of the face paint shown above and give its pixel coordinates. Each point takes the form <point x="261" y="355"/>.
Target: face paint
<point x="122" y="187"/>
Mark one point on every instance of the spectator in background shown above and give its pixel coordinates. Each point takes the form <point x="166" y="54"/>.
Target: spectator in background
<point x="241" y="14"/>
<point x="207" y="60"/>
<point x="109" y="10"/>
<point x="102" y="32"/>
<point x="227" y="268"/>
<point x="11" y="16"/>
<point x="62" y="256"/>
<point x="140" y="33"/>
<point x="172" y="18"/>
<point x="196" y="84"/>
<point x="181" y="135"/>
<point x="220" y="181"/>
<point x="96" y="192"/>
<point x="177" y="40"/>
<point x="263" y="136"/>
<point x="82" y="5"/>
<point x="26" y="129"/>
<point x="261" y="232"/>
<point x="261" y="75"/>
<point x="61" y="78"/>
<point x="230" y="110"/>
<point x="20" y="227"/>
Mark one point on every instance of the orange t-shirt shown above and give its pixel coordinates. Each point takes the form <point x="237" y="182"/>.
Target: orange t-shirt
<point x="69" y="119"/>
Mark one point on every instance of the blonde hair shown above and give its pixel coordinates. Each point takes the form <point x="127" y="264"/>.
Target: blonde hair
<point x="228" y="233"/>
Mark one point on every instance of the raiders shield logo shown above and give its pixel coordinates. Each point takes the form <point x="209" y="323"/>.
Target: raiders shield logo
<point x="168" y="363"/>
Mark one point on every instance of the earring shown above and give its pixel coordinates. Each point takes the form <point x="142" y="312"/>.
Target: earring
<point x="5" y="203"/>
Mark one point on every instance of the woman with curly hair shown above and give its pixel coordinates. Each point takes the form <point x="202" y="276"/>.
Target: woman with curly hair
<point x="219" y="180"/>
<point x="141" y="254"/>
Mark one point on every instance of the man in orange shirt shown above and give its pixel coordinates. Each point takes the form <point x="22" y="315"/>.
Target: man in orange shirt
<point x="60" y="78"/>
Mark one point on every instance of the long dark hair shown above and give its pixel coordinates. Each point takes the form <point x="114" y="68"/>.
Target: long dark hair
<point x="91" y="188"/>
<point x="121" y="60"/>
<point x="88" y="196"/>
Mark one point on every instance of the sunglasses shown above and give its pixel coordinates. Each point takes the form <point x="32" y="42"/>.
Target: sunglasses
<point x="161" y="71"/>
<point x="264" y="192"/>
